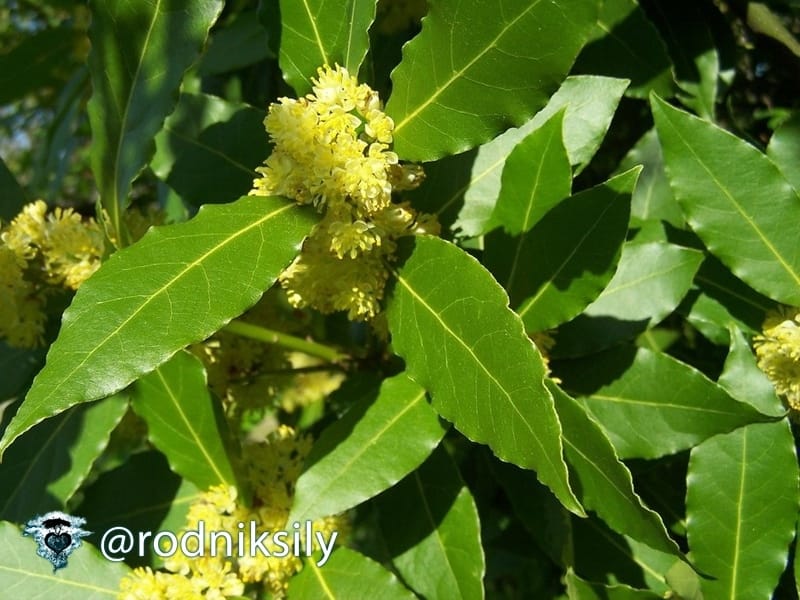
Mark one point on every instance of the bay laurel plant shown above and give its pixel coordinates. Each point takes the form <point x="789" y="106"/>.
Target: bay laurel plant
<point x="465" y="299"/>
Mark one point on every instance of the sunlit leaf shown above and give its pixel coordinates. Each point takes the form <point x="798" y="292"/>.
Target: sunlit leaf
<point x="177" y="285"/>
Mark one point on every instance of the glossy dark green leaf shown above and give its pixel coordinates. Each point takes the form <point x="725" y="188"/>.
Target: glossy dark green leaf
<point x="589" y="102"/>
<point x="602" y="481"/>
<point x="741" y="509"/>
<point x="740" y="213"/>
<point x="627" y="45"/>
<point x="635" y="396"/>
<point x="320" y="32"/>
<point x="652" y="199"/>
<point x="87" y="576"/>
<point x="177" y="285"/>
<point x="177" y="406"/>
<point x="209" y="148"/>
<point x="435" y="548"/>
<point x="240" y="43"/>
<point x="18" y="366"/>
<point x="555" y="270"/>
<point x="13" y="198"/>
<point x="536" y="176"/>
<point x="475" y="70"/>
<point x="784" y="149"/>
<point x="135" y="87"/>
<point x="372" y="447"/>
<point x="347" y="574"/>
<point x="580" y="589"/>
<point x="744" y="381"/>
<point x="650" y="281"/>
<point x="48" y="465"/>
<point x="451" y="323"/>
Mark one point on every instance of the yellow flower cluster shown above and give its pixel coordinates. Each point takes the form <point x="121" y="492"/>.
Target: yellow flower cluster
<point x="40" y="250"/>
<point x="778" y="353"/>
<point x="331" y="149"/>
<point x="272" y="469"/>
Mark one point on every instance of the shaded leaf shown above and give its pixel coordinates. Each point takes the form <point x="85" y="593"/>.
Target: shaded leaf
<point x="555" y="270"/>
<point x="580" y="589"/>
<point x="320" y="32"/>
<point x="347" y="574"/>
<point x="48" y="465"/>
<point x="88" y="576"/>
<point x="536" y="176"/>
<point x="372" y="447"/>
<point x="154" y="499"/>
<point x="784" y="149"/>
<point x="741" y="509"/>
<point x="209" y="148"/>
<point x="589" y="102"/>
<point x="635" y="396"/>
<point x="191" y="278"/>
<point x="652" y="199"/>
<point x="744" y="381"/>
<point x="12" y="194"/>
<point x="650" y="281"/>
<point x="740" y="214"/>
<point x="182" y="422"/>
<point x="436" y="548"/>
<point x="135" y="88"/>
<point x="627" y="45"/>
<point x="242" y="42"/>
<point x="602" y="481"/>
<point x="493" y="389"/>
<point x="473" y="71"/>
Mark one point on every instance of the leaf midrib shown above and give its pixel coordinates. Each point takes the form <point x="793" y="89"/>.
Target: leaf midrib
<point x="160" y="291"/>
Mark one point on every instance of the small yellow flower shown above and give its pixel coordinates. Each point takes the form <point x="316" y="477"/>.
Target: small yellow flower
<point x="778" y="353"/>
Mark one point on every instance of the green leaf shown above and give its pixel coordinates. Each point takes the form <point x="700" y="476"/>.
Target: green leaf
<point x="447" y="315"/>
<point x="347" y="574"/>
<point x="48" y="465"/>
<point x="475" y="70"/>
<point x="36" y="62"/>
<point x="725" y="299"/>
<point x="154" y="499"/>
<point x="436" y="548"/>
<point x="741" y="509"/>
<point x="177" y="285"/>
<point x="537" y="176"/>
<point x="744" y="381"/>
<point x="242" y="42"/>
<point x="318" y="32"/>
<point x="372" y="447"/>
<point x="784" y="149"/>
<point x="555" y="270"/>
<point x="87" y="576"/>
<point x="209" y="148"/>
<point x="627" y="45"/>
<point x="580" y="589"/>
<point x="13" y="196"/>
<point x="686" y="28"/>
<point x="537" y="508"/>
<point x="135" y="85"/>
<point x="635" y="396"/>
<point x="650" y="281"/>
<point x="590" y="103"/>
<point x="18" y="365"/>
<point x="602" y="481"/>
<point x="182" y="422"/>
<point x="739" y="213"/>
<point x="652" y="199"/>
